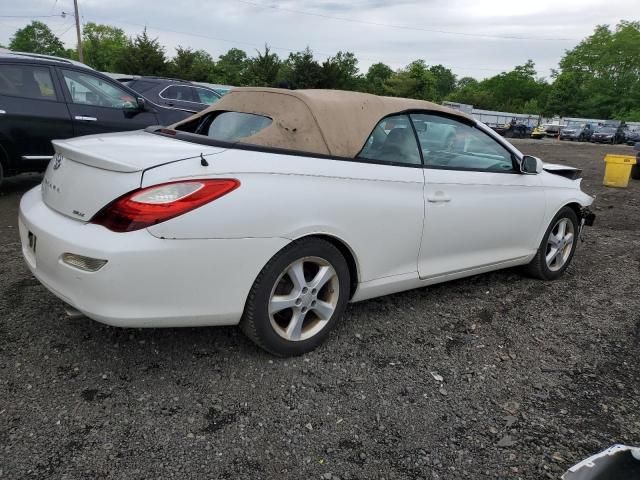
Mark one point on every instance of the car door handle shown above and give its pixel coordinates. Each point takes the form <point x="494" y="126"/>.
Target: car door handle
<point x="438" y="199"/>
<point x="86" y="119"/>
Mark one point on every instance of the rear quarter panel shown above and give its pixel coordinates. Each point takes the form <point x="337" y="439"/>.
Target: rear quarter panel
<point x="376" y="210"/>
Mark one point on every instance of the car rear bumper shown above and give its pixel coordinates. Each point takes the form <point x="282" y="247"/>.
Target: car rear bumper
<point x="147" y="281"/>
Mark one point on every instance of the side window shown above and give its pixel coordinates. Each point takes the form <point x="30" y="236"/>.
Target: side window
<point x="392" y="140"/>
<point x="447" y="143"/>
<point x="26" y="81"/>
<point x="139" y="86"/>
<point x="87" y="89"/>
<point x="178" y="92"/>
<point x="205" y="96"/>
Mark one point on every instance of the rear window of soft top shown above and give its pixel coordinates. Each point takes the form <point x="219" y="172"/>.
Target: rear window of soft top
<point x="228" y="126"/>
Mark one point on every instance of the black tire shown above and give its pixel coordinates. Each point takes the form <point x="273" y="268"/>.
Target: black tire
<point x="635" y="171"/>
<point x="538" y="267"/>
<point x="256" y="321"/>
<point x="1" y="174"/>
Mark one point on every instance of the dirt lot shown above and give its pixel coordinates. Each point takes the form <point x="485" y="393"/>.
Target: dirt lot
<point x="536" y="375"/>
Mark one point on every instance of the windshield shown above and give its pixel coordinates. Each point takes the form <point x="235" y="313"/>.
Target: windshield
<point x="606" y="130"/>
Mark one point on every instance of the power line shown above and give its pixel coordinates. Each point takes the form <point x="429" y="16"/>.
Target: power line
<point x="60" y="35"/>
<point x="55" y="2"/>
<point x="403" y="27"/>
<point x="29" y="16"/>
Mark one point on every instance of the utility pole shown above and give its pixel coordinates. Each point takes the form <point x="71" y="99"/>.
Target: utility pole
<point x="75" y="6"/>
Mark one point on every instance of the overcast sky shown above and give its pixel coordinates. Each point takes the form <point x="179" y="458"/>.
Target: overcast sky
<point x="479" y="38"/>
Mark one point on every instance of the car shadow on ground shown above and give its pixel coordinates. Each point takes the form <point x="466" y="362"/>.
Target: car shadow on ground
<point x="92" y="339"/>
<point x="20" y="183"/>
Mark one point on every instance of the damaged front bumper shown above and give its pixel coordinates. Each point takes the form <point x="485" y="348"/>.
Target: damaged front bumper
<point x="587" y="217"/>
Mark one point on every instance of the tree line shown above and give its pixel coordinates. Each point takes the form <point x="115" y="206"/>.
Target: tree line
<point x="599" y="78"/>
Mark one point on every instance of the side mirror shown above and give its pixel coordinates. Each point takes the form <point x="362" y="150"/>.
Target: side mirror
<point x="530" y="165"/>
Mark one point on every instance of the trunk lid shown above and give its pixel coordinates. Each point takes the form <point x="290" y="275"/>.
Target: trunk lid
<point x="87" y="173"/>
<point x="129" y="152"/>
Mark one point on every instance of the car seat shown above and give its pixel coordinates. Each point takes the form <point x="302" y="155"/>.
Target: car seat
<point x="400" y="146"/>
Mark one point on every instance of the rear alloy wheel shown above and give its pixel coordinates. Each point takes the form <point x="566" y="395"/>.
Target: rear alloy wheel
<point x="557" y="248"/>
<point x="297" y="298"/>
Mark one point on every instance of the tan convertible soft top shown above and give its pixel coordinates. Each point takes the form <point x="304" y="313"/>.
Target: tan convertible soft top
<point x="329" y="122"/>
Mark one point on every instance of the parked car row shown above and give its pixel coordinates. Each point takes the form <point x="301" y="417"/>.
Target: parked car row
<point x="581" y="132"/>
<point x="174" y="93"/>
<point x="44" y="98"/>
<point x="611" y="132"/>
<point x="513" y="129"/>
<point x="546" y="130"/>
<point x="633" y="136"/>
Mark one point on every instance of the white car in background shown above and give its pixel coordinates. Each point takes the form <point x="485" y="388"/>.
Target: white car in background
<point x="273" y="209"/>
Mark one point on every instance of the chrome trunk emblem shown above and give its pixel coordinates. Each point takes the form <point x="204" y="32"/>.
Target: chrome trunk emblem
<point x="57" y="161"/>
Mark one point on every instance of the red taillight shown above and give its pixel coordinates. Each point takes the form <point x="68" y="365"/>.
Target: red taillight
<point x="152" y="205"/>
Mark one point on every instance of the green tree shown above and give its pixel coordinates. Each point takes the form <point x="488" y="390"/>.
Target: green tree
<point x="142" y="56"/>
<point x="515" y="91"/>
<point x="102" y="45"/>
<point x="301" y="70"/>
<point x="509" y="91"/>
<point x="340" y="72"/>
<point x="445" y="81"/>
<point x="604" y="71"/>
<point x="565" y="96"/>
<point x="413" y="81"/>
<point x="466" y="82"/>
<point x="188" y="64"/>
<point x="37" y="38"/>
<point x="377" y="77"/>
<point x="262" y="70"/>
<point x="231" y="67"/>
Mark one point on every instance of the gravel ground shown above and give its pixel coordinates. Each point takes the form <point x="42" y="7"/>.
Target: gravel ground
<point x="495" y="376"/>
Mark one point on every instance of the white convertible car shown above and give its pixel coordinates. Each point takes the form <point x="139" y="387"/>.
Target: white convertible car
<point x="273" y="208"/>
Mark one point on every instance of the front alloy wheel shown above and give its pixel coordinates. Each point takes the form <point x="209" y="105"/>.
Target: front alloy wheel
<point x="559" y="244"/>
<point x="297" y="298"/>
<point x="557" y="247"/>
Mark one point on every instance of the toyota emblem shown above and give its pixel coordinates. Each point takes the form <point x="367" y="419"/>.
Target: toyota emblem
<point x="57" y="161"/>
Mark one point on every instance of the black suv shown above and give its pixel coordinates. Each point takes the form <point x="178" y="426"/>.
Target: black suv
<point x="610" y="133"/>
<point x="173" y="93"/>
<point x="44" y="98"/>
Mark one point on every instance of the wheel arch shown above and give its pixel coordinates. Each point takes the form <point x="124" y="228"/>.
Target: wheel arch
<point x="346" y="252"/>
<point x="572" y="203"/>
<point x="575" y="206"/>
